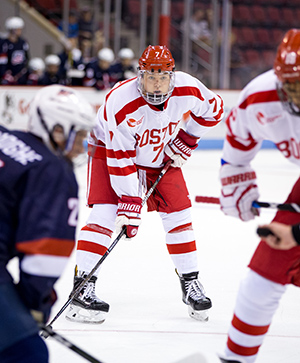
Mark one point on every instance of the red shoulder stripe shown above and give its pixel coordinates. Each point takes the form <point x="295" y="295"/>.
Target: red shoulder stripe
<point x="258" y="97"/>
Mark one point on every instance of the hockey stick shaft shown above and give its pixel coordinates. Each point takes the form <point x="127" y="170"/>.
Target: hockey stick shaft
<point x="120" y="235"/>
<point x="289" y="207"/>
<point x="48" y="331"/>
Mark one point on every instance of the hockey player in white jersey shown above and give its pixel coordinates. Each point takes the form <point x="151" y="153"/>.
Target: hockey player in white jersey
<point x="268" y="109"/>
<point x="137" y="131"/>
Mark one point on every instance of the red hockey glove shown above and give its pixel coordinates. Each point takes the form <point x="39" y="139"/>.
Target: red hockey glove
<point x="239" y="191"/>
<point x="129" y="215"/>
<point x="180" y="149"/>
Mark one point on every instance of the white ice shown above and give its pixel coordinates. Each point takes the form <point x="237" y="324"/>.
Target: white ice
<point x="147" y="322"/>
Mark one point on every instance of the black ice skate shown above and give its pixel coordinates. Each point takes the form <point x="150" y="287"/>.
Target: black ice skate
<point x="223" y="360"/>
<point x="86" y="307"/>
<point x="193" y="295"/>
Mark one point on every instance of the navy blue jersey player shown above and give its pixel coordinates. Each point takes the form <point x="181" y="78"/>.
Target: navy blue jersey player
<point x="38" y="215"/>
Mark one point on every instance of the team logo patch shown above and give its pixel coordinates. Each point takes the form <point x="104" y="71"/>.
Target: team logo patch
<point x="132" y="122"/>
<point x="262" y="119"/>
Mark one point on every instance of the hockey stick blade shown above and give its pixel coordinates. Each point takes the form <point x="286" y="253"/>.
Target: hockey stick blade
<point x="120" y="235"/>
<point x="48" y="331"/>
<point x="289" y="207"/>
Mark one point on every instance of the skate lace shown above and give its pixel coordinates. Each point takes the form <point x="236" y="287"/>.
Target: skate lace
<point x="195" y="290"/>
<point x="89" y="291"/>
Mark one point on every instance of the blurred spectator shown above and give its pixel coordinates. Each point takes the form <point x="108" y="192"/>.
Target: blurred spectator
<point x="36" y="67"/>
<point x="85" y="25"/>
<point x="98" y="72"/>
<point x="51" y="75"/>
<point x="73" y="28"/>
<point x="199" y="27"/>
<point x="124" y="67"/>
<point x="71" y="67"/>
<point x="14" y="53"/>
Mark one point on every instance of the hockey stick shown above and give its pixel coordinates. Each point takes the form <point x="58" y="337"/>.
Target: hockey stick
<point x="120" y="235"/>
<point x="47" y="330"/>
<point x="289" y="207"/>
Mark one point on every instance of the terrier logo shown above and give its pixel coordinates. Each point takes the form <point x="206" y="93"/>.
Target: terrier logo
<point x="132" y="122"/>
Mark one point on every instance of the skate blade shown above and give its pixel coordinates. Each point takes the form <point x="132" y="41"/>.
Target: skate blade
<point x="80" y="315"/>
<point x="200" y="315"/>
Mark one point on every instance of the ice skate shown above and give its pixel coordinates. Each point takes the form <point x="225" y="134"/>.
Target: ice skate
<point x="193" y="295"/>
<point x="86" y="307"/>
<point x="223" y="360"/>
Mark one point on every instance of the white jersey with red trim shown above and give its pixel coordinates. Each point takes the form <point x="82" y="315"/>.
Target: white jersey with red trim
<point x="260" y="115"/>
<point x="135" y="133"/>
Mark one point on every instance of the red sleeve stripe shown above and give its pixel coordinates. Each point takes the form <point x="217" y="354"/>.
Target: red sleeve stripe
<point x="177" y="249"/>
<point x="47" y="246"/>
<point x="130" y="108"/>
<point x="240" y="350"/>
<point x="127" y="170"/>
<point x="247" y="328"/>
<point x="187" y="91"/>
<point x="98" y="152"/>
<point x="96" y="228"/>
<point x="203" y="122"/>
<point x="221" y="112"/>
<point x="110" y="92"/>
<point x="265" y="96"/>
<point x="120" y="154"/>
<point x="182" y="228"/>
<point x="91" y="247"/>
<point x="237" y="145"/>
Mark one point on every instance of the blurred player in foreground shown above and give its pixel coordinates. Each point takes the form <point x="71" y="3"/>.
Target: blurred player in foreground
<point x="268" y="109"/>
<point x="38" y="215"/>
<point x="137" y="132"/>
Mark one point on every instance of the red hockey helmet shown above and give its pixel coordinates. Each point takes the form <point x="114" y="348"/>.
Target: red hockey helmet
<point x="157" y="58"/>
<point x="287" y="61"/>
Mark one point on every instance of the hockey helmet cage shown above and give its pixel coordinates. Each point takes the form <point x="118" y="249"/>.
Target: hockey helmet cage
<point x="58" y="105"/>
<point x="287" y="70"/>
<point x="36" y="64"/>
<point x="156" y="58"/>
<point x="106" y="54"/>
<point x="287" y="61"/>
<point x="14" y="23"/>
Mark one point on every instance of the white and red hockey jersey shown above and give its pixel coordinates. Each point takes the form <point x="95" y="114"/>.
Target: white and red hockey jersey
<point x="260" y="115"/>
<point x="135" y="133"/>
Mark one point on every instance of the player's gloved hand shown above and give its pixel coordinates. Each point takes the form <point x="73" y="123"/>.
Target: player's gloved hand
<point x="129" y="215"/>
<point x="180" y="149"/>
<point x="239" y="191"/>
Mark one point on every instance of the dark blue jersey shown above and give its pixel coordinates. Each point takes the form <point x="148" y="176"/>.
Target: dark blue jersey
<point x="38" y="214"/>
<point x="97" y="77"/>
<point x="17" y="54"/>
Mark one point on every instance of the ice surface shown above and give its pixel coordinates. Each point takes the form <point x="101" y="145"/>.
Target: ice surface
<point x="147" y="322"/>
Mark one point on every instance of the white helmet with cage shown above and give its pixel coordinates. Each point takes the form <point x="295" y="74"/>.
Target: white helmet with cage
<point x="14" y="23"/>
<point x="126" y="53"/>
<point x="106" y="54"/>
<point x="62" y="106"/>
<point x="36" y="64"/>
<point x="52" y="59"/>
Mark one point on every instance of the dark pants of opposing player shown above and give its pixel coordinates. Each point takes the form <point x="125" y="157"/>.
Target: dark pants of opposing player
<point x="19" y="334"/>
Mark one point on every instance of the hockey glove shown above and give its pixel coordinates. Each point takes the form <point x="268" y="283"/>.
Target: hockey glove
<point x="239" y="191"/>
<point x="129" y="215"/>
<point x="180" y="149"/>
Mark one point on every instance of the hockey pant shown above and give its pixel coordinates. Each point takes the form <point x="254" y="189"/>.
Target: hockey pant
<point x="95" y="238"/>
<point x="260" y="293"/>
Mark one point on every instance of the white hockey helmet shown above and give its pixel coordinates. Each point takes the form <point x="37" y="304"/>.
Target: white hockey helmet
<point x="36" y="64"/>
<point x="106" y="54"/>
<point x="61" y="106"/>
<point x="14" y="23"/>
<point x="126" y="53"/>
<point x="52" y="59"/>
